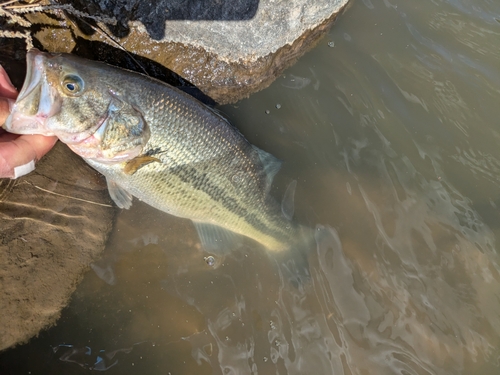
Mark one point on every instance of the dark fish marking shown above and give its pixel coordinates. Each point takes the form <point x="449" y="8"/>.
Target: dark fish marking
<point x="202" y="182"/>
<point x="154" y="151"/>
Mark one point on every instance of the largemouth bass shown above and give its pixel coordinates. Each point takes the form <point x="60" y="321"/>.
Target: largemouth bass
<point x="157" y="143"/>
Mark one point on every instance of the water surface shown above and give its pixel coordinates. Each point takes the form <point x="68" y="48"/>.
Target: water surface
<point x="390" y="127"/>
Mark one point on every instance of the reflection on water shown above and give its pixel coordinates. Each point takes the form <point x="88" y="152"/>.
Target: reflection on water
<point x="390" y="127"/>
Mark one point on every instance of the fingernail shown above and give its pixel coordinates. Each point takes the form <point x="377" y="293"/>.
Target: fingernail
<point x="24" y="169"/>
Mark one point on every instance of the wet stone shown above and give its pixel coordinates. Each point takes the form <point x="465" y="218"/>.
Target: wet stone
<point x="48" y="238"/>
<point x="227" y="48"/>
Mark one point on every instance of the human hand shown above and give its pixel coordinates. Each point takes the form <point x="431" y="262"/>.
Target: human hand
<point x="18" y="153"/>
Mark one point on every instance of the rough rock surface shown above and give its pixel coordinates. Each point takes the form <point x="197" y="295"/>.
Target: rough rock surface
<point x="48" y="237"/>
<point x="227" y="48"/>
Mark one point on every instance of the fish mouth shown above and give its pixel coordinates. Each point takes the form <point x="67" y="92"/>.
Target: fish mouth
<point x="37" y="101"/>
<point x="33" y="76"/>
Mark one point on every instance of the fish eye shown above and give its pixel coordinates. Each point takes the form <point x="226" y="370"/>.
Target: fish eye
<point x="72" y="84"/>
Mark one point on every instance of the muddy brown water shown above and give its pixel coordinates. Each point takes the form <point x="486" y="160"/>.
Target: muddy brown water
<point x="390" y="126"/>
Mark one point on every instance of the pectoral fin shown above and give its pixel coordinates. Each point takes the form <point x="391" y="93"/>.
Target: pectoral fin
<point x="120" y="196"/>
<point x="139" y="161"/>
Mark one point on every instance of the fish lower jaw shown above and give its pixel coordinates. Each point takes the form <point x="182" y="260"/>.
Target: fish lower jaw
<point x="19" y="123"/>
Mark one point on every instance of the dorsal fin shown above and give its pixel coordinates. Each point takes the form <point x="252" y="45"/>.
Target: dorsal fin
<point x="271" y="166"/>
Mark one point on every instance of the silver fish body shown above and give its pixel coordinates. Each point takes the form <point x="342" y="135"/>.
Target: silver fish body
<point x="153" y="141"/>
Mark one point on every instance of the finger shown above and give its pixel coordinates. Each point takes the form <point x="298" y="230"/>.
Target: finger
<point x="12" y="155"/>
<point x="7" y="137"/>
<point x="7" y="89"/>
<point x="5" y="105"/>
<point x="39" y="143"/>
<point x="18" y="157"/>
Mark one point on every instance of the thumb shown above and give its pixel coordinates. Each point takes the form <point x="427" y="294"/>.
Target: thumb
<point x="7" y="89"/>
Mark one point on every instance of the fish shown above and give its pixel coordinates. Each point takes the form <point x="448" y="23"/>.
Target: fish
<point x="156" y="143"/>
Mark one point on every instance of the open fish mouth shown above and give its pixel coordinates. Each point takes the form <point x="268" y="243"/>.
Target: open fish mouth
<point x="37" y="100"/>
<point x="33" y="75"/>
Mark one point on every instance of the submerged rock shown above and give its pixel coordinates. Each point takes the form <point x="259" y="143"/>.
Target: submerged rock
<point x="54" y="224"/>
<point x="227" y="48"/>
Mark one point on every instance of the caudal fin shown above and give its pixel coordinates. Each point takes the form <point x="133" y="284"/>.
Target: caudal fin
<point x="294" y="263"/>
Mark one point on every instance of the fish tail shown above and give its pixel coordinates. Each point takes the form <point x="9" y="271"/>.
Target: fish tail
<point x="294" y="263"/>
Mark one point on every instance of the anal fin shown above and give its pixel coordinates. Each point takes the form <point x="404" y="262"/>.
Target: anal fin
<point x="216" y="239"/>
